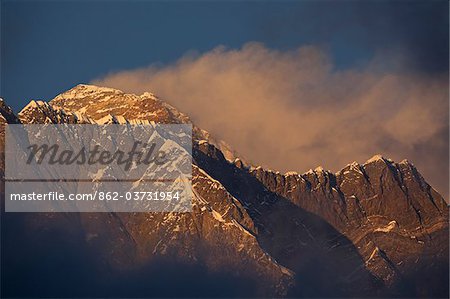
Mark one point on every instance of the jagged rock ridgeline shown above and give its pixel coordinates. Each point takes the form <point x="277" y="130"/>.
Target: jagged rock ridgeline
<point x="369" y="229"/>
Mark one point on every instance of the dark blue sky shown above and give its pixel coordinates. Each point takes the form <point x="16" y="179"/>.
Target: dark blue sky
<point x="49" y="46"/>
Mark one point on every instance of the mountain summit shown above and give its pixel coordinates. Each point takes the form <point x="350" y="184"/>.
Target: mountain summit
<point x="372" y="229"/>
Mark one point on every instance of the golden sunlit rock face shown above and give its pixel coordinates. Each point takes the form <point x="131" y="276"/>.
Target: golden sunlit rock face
<point x="370" y="229"/>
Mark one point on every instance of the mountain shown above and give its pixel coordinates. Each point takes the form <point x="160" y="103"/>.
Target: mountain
<point x="372" y="229"/>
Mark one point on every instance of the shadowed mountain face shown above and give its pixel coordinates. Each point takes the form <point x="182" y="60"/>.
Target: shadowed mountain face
<point x="376" y="229"/>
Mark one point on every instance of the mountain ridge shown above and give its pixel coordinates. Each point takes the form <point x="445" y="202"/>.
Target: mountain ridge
<point x="380" y="217"/>
<point x="56" y="106"/>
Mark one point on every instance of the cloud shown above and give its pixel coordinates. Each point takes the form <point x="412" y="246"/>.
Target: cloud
<point x="291" y="110"/>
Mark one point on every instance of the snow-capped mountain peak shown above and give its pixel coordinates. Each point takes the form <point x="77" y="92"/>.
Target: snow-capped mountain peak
<point x="368" y="224"/>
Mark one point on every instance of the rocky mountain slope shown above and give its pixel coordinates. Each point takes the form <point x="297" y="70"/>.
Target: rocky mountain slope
<point x="374" y="229"/>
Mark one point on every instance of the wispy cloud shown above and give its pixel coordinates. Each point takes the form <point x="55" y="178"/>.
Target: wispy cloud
<point x="290" y="110"/>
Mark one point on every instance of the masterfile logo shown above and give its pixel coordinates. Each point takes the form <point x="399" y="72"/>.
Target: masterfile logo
<point x="98" y="168"/>
<point x="141" y="153"/>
